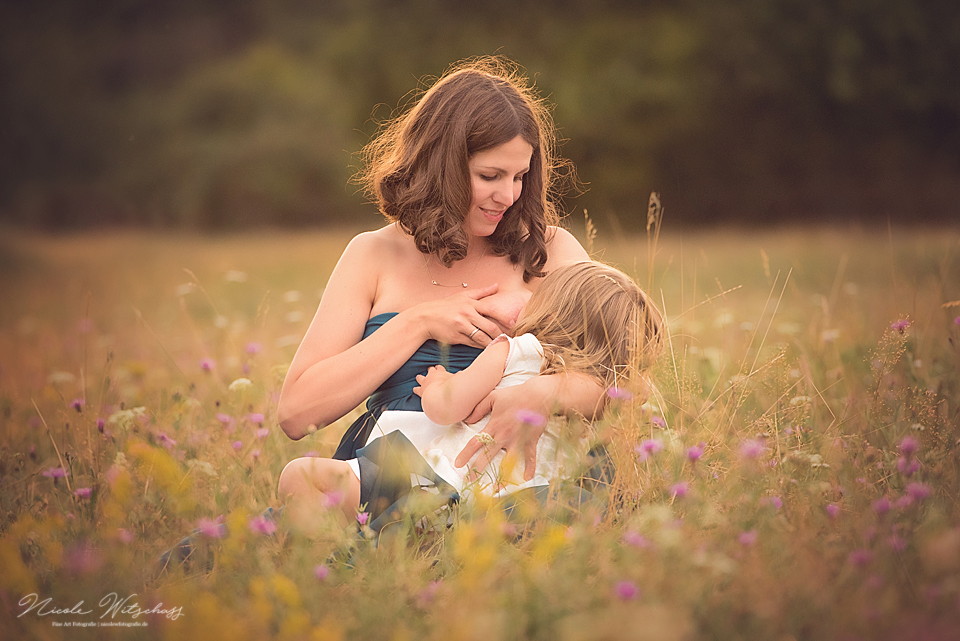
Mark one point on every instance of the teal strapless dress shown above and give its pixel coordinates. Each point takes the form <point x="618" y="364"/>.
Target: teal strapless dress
<point x="396" y="393"/>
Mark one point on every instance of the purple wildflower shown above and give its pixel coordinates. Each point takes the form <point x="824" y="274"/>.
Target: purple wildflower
<point x="263" y="432"/>
<point x="166" y="441"/>
<point x="208" y="364"/>
<point x="860" y="557"/>
<point x="897" y="543"/>
<point x="907" y="466"/>
<point x="83" y="492"/>
<point x="775" y="501"/>
<point x="909" y="446"/>
<point x="238" y="445"/>
<point x="748" y="538"/>
<point x="254" y="348"/>
<point x="321" y="571"/>
<point x="752" y="448"/>
<point x="255" y="417"/>
<point x="636" y="539"/>
<point x="918" y="491"/>
<point x="679" y="490"/>
<point x="695" y="453"/>
<point x="262" y="525"/>
<point x="55" y="473"/>
<point x="881" y="506"/>
<point x="626" y="590"/>
<point x="78" y="404"/>
<point x="659" y="422"/>
<point x="428" y="594"/>
<point x="214" y="529"/>
<point x="100" y="425"/>
<point x="125" y="536"/>
<point x="833" y="510"/>
<point x="363" y="517"/>
<point x="648" y="447"/>
<point x="956" y="321"/>
<point x="529" y="417"/>
<point x="619" y="393"/>
<point x="900" y="325"/>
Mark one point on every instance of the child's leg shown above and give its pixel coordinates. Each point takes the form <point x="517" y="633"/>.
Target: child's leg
<point x="312" y="486"/>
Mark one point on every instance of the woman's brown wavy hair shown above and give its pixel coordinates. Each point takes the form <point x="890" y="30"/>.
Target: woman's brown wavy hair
<point x="594" y="319"/>
<point x="416" y="168"/>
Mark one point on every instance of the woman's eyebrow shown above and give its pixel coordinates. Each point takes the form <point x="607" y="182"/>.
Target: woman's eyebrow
<point x="502" y="171"/>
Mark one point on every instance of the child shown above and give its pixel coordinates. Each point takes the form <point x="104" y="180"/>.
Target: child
<point x="585" y="317"/>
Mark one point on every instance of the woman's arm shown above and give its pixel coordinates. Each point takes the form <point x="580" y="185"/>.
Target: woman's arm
<point x="334" y="368"/>
<point x="513" y="412"/>
<point x="448" y="398"/>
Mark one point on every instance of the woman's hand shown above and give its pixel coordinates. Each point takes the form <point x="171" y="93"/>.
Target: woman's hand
<point x="462" y="318"/>
<point x="519" y="414"/>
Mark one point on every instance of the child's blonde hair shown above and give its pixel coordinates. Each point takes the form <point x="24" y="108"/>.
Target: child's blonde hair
<point x="594" y="319"/>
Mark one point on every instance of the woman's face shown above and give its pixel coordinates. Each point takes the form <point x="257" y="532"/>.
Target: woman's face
<point x="497" y="179"/>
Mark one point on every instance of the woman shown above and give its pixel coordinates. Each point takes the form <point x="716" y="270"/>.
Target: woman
<point x="464" y="177"/>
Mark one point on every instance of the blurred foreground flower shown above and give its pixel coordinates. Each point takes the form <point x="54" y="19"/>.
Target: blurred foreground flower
<point x="262" y="525"/>
<point x="752" y="448"/>
<point x="626" y="590"/>
<point x="679" y="490"/>
<point x="619" y="393"/>
<point x="82" y="559"/>
<point x="860" y="558"/>
<point x="648" y="447"/>
<point x="77" y="404"/>
<point x="55" y="473"/>
<point x="900" y="325"/>
<point x="321" y="572"/>
<point x="659" y="422"/>
<point x="636" y="539"/>
<point x="695" y="453"/>
<point x="208" y="364"/>
<point x="240" y="384"/>
<point x="833" y="510"/>
<point x="529" y="417"/>
<point x="125" y="536"/>
<point x="214" y="529"/>
<point x="918" y="491"/>
<point x="83" y="492"/>
<point x="748" y="538"/>
<point x="254" y="348"/>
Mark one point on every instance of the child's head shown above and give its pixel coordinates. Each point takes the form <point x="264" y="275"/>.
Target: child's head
<point x="593" y="318"/>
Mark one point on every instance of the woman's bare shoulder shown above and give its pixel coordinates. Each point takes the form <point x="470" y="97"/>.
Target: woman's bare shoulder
<point x="563" y="248"/>
<point x="382" y="243"/>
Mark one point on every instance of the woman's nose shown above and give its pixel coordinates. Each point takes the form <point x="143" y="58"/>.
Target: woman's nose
<point x="504" y="193"/>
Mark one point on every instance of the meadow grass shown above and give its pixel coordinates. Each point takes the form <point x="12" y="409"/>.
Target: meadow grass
<point x="795" y="476"/>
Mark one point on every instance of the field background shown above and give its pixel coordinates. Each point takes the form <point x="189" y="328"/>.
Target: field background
<point x="815" y="369"/>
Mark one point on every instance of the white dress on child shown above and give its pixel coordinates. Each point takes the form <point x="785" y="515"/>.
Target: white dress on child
<point x="557" y="457"/>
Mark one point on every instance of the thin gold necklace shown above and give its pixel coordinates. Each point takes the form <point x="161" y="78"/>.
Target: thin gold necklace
<point x="426" y="267"/>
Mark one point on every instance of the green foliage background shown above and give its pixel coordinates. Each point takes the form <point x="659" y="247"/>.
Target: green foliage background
<point x="214" y="114"/>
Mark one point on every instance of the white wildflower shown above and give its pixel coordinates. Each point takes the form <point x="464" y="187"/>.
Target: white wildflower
<point x="240" y="384"/>
<point x="123" y="418"/>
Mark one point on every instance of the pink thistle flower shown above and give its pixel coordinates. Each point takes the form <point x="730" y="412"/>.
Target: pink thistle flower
<point x="637" y="540"/>
<point x="208" y="364"/>
<point x="748" y="538"/>
<point x="509" y="530"/>
<point x="860" y="558"/>
<point x="904" y="502"/>
<point x="918" y="491"/>
<point x="956" y="321"/>
<point x="255" y="454"/>
<point x="881" y="506"/>
<point x="238" y="445"/>
<point x="100" y="425"/>
<point x="900" y="325"/>
<point x="82" y="559"/>
<point x="897" y="543"/>
<point x="262" y="525"/>
<point x="752" y="449"/>
<point x="774" y="501"/>
<point x="83" y="492"/>
<point x="695" y="453"/>
<point x="77" y="404"/>
<point x="429" y="593"/>
<point x="833" y="510"/>
<point x="648" y="447"/>
<point x="626" y="590"/>
<point x="262" y="433"/>
<point x="226" y="419"/>
<point x="529" y="417"/>
<point x="55" y="473"/>
<point x="166" y="441"/>
<point x="907" y="466"/>
<point x="254" y="348"/>
<point x="212" y="528"/>
<point x="909" y="446"/>
<point x="659" y="422"/>
<point x="619" y="393"/>
<point x="679" y="490"/>
<point x="125" y="536"/>
<point x="255" y="417"/>
<point x="321" y="572"/>
<point x="363" y="517"/>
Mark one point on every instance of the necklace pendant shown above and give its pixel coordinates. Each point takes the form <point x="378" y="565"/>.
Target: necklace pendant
<point x="464" y="285"/>
<point x="435" y="283"/>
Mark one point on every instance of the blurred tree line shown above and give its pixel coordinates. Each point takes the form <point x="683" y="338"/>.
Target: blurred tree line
<point x="227" y="114"/>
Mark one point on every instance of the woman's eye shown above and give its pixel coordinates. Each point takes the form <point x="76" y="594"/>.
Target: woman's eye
<point x="488" y="178"/>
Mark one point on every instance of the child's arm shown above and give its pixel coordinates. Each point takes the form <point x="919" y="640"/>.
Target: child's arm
<point x="449" y="398"/>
